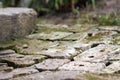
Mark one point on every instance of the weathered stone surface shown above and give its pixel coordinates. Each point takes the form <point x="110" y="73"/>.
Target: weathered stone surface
<point x="23" y="71"/>
<point x="5" y="52"/>
<point x="4" y="67"/>
<point x="5" y="76"/>
<point x="60" y="52"/>
<point x="116" y="39"/>
<point x="99" y="37"/>
<point x="115" y="55"/>
<point x="35" y="46"/>
<point x="83" y="66"/>
<point x="49" y="36"/>
<point x="110" y="28"/>
<point x="97" y="54"/>
<point x="16" y="22"/>
<point x="51" y="64"/>
<point x="76" y="36"/>
<point x="21" y="60"/>
<point x="112" y="68"/>
<point x="58" y="75"/>
<point x="17" y="72"/>
<point x="80" y="46"/>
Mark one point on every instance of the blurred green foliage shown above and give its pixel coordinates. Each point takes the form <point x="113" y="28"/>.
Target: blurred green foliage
<point x="51" y="5"/>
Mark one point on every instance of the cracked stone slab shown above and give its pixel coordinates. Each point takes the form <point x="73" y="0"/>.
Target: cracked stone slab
<point x="97" y="54"/>
<point x="57" y="75"/>
<point x="35" y="46"/>
<point x="80" y="46"/>
<point x="115" y="55"/>
<point x="76" y="36"/>
<point x="17" y="72"/>
<point x="114" y="67"/>
<point x="99" y="37"/>
<point x="60" y="52"/>
<point x="5" y="52"/>
<point x="51" y="64"/>
<point x="49" y="36"/>
<point x="5" y="67"/>
<point x="18" y="60"/>
<point x="5" y="76"/>
<point x="75" y="44"/>
<point x="83" y="66"/>
<point x="23" y="71"/>
<point x="110" y="28"/>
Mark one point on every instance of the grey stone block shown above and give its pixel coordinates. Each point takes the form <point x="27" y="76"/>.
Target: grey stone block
<point x="16" y="22"/>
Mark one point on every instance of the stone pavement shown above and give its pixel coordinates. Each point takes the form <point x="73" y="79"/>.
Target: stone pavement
<point x="59" y="52"/>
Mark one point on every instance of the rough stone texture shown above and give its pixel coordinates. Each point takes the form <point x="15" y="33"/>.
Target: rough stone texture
<point x="5" y="52"/>
<point x="60" y="52"/>
<point x="17" y="60"/>
<point x="15" y="22"/>
<point x="35" y="46"/>
<point x="50" y="36"/>
<point x="97" y="54"/>
<point x="99" y="37"/>
<point x="113" y="68"/>
<point x="5" y="76"/>
<point x="83" y="66"/>
<point x="74" y="37"/>
<point x="110" y="28"/>
<point x="4" y="67"/>
<point x="23" y="71"/>
<point x="116" y="39"/>
<point x="48" y="75"/>
<point x="17" y="72"/>
<point x="51" y="64"/>
<point x="94" y="56"/>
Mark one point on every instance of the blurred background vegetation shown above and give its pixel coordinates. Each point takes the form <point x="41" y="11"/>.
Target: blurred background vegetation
<point x="45" y="6"/>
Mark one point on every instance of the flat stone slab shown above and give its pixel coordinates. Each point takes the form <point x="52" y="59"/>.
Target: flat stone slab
<point x="60" y="52"/>
<point x="114" y="67"/>
<point x="97" y="54"/>
<point x="57" y="75"/>
<point x="49" y="36"/>
<point x="115" y="55"/>
<point x="110" y="28"/>
<point x="23" y="71"/>
<point x="5" y="76"/>
<point x="35" y="46"/>
<point x="65" y="50"/>
<point x="18" y="60"/>
<point x="5" y="67"/>
<point x="5" y="52"/>
<point x="83" y="66"/>
<point x="76" y="36"/>
<point x="17" y="72"/>
<point x="80" y="46"/>
<point x="99" y="37"/>
<point x="51" y="64"/>
<point x="16" y="22"/>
